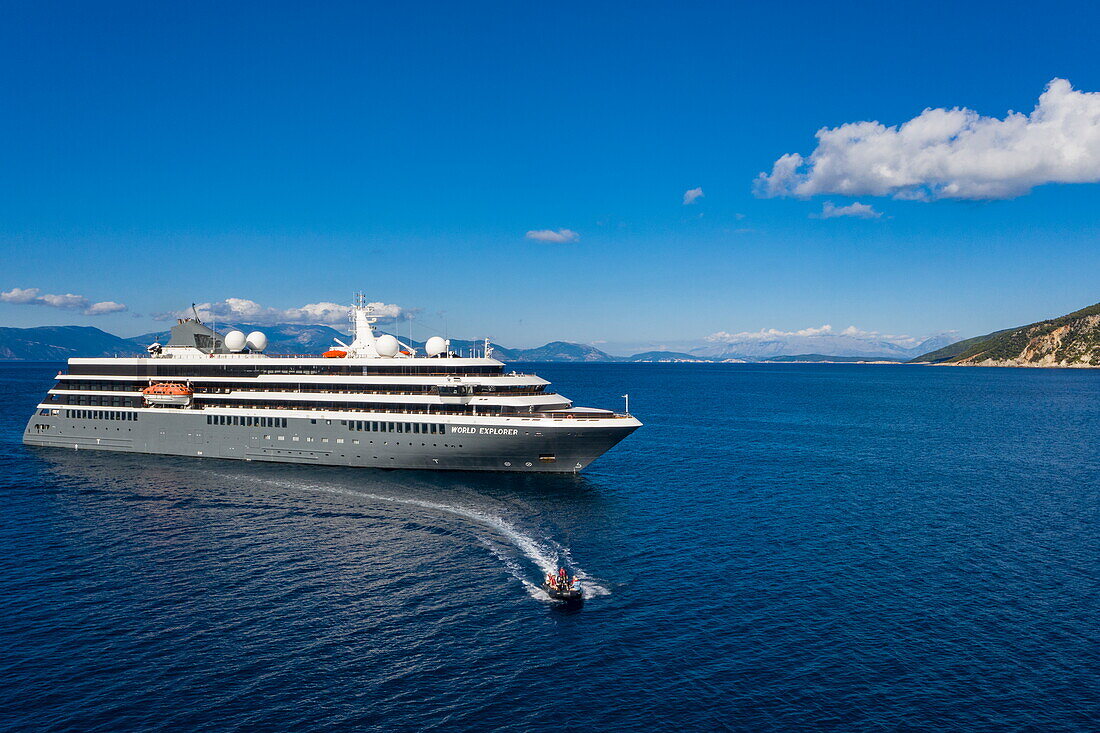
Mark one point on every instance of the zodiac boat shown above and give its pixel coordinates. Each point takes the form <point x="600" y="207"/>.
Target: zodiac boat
<point x="562" y="588"/>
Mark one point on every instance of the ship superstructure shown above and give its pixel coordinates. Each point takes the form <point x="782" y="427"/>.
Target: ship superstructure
<point x="374" y="402"/>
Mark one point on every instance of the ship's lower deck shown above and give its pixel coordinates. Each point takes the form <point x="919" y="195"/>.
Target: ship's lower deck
<point x="522" y="445"/>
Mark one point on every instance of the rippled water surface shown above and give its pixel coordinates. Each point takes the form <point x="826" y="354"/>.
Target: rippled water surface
<point x="835" y="547"/>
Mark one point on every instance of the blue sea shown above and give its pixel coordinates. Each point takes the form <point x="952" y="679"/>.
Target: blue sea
<point x="780" y="547"/>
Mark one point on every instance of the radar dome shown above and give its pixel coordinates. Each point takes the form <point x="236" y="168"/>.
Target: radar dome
<point x="386" y="345"/>
<point x="235" y="341"/>
<point x="435" y="346"/>
<point x="257" y="341"/>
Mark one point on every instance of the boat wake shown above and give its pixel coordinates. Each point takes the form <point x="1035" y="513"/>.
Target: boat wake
<point x="545" y="554"/>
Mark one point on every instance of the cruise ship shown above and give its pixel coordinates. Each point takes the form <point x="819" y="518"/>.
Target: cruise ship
<point x="375" y="403"/>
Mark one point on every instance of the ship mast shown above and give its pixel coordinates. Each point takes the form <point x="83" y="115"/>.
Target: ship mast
<point x="363" y="318"/>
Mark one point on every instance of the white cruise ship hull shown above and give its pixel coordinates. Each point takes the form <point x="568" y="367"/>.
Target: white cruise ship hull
<point x="502" y="444"/>
<point x="376" y="405"/>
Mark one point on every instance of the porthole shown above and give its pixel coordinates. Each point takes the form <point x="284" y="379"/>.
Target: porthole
<point x="528" y="464"/>
<point x="507" y="463"/>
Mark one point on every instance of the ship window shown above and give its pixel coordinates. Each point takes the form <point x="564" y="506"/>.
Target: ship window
<point x="236" y="420"/>
<point x="443" y="429"/>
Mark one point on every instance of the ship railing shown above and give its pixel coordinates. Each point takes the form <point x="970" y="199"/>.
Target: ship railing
<point x="437" y="413"/>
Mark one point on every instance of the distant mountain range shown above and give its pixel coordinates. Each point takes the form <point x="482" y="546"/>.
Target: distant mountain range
<point x="755" y="347"/>
<point x="57" y="343"/>
<point x="1072" y="340"/>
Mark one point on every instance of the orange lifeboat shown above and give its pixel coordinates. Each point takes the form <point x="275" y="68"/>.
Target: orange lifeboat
<point x="168" y="393"/>
<point x="334" y="354"/>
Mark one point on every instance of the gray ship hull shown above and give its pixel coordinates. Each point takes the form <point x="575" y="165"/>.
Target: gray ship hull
<point x="562" y="447"/>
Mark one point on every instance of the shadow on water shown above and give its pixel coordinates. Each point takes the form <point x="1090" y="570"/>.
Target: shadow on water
<point x="518" y="519"/>
<point x="91" y="466"/>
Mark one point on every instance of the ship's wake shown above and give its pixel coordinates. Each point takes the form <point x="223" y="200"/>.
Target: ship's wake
<point x="544" y="554"/>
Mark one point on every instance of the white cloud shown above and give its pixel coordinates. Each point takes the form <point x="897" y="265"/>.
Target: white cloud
<point x="106" y="306"/>
<point x="952" y="154"/>
<point x="766" y="334"/>
<point x="242" y="310"/>
<point x="68" y="301"/>
<point x="691" y="195"/>
<point x="560" y="236"/>
<point x="857" y="210"/>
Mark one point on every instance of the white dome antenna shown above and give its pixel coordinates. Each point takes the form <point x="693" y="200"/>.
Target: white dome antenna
<point x="435" y="346"/>
<point x="235" y="341"/>
<point x="387" y="346"/>
<point x="256" y="341"/>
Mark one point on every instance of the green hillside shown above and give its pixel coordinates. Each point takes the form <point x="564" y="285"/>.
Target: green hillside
<point x="1069" y="340"/>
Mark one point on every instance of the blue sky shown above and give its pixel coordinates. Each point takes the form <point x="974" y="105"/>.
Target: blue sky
<point x="289" y="155"/>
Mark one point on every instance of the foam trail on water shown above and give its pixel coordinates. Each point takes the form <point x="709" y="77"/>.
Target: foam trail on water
<point x="517" y="572"/>
<point x="591" y="587"/>
<point x="547" y="559"/>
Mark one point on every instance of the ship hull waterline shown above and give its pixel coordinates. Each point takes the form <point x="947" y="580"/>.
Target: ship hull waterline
<point x="165" y="431"/>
